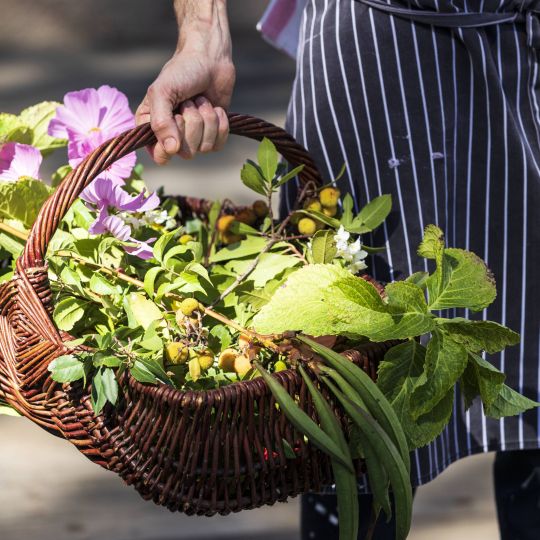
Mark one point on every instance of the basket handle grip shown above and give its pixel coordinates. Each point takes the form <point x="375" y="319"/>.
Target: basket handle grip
<point x="56" y="206"/>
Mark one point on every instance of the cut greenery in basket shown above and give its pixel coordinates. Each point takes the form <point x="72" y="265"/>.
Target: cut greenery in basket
<point x="197" y="303"/>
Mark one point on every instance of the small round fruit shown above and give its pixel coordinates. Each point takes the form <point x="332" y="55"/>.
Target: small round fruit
<point x="330" y="211"/>
<point x="206" y="360"/>
<point x="280" y="365"/>
<point x="230" y="238"/>
<point x="244" y="341"/>
<point x="176" y="353"/>
<point x="188" y="306"/>
<point x="247" y="216"/>
<point x="307" y="226"/>
<point x="185" y="238"/>
<point x="313" y="204"/>
<point x="260" y="208"/>
<point x="226" y="360"/>
<point x="194" y="369"/>
<point x="242" y="364"/>
<point x="329" y="196"/>
<point x="224" y="223"/>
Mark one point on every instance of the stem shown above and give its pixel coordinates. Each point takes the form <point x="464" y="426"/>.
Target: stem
<point x="22" y="235"/>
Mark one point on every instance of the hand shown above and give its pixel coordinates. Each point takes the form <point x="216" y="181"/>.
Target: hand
<point x="197" y="82"/>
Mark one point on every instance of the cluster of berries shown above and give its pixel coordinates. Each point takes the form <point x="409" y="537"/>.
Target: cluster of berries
<point x="248" y="215"/>
<point x="326" y="203"/>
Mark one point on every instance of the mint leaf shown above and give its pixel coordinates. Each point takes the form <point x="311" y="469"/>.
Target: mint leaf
<point x="267" y="157"/>
<point x="22" y="200"/>
<point x="479" y="336"/>
<point x="444" y="363"/>
<point x="397" y="377"/>
<point x="481" y="378"/>
<point x="68" y="312"/>
<point x="66" y="368"/>
<point x="462" y="280"/>
<point x="323" y="247"/>
<point x="509" y="403"/>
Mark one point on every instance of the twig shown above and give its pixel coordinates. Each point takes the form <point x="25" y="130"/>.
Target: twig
<point x="22" y="235"/>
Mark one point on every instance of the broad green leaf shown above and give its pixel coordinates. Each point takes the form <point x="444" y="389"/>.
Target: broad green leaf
<point x="509" y="403"/>
<point x="8" y="123"/>
<point x="269" y="266"/>
<point x="481" y="378"/>
<point x="110" y="385"/>
<point x="418" y="278"/>
<point x="397" y="376"/>
<point x="323" y="247"/>
<point x="37" y="118"/>
<point x="259" y="297"/>
<point x="371" y="215"/>
<point x="245" y="248"/>
<point x="68" y="312"/>
<point x="98" y="396"/>
<point x="144" y="311"/>
<point x="251" y="177"/>
<point x="150" y="279"/>
<point x="66" y="368"/>
<point x="290" y="175"/>
<point x="267" y="157"/>
<point x="444" y="364"/>
<point x="162" y="244"/>
<point x="150" y="370"/>
<point x="432" y="243"/>
<point x="11" y="244"/>
<point x="102" y="359"/>
<point x="21" y="200"/>
<point x="219" y="338"/>
<point x="101" y="285"/>
<point x="463" y="282"/>
<point x="478" y="336"/>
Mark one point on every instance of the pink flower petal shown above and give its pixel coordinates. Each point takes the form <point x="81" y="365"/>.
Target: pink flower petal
<point x="18" y="160"/>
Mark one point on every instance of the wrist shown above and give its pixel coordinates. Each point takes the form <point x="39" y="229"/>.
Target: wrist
<point x="199" y="19"/>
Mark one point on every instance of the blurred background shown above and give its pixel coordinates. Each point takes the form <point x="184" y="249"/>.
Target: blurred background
<point x="47" y="489"/>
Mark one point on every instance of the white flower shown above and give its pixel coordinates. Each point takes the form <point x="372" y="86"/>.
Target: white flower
<point x="352" y="253"/>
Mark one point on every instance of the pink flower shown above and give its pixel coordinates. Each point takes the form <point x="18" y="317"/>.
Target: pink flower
<point x="90" y="117"/>
<point x="19" y="160"/>
<point x="120" y="230"/>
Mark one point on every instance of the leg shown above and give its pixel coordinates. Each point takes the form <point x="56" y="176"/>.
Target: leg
<point x="517" y="494"/>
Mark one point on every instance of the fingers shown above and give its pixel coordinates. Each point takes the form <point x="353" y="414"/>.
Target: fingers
<point x="223" y="129"/>
<point x="161" y="106"/>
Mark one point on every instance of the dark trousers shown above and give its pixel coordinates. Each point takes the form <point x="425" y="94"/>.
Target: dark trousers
<point x="517" y="494"/>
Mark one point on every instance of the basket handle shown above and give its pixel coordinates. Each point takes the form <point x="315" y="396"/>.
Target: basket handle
<point x="56" y="206"/>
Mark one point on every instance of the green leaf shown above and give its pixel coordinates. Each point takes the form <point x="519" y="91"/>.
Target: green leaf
<point x="10" y="243"/>
<point x="68" y="312"/>
<point x="323" y="247"/>
<point x="290" y="175"/>
<point x="37" y="118"/>
<point x="323" y="218"/>
<point x="269" y="266"/>
<point x="245" y="248"/>
<point x="267" y="157"/>
<point x="478" y="336"/>
<point x="444" y="364"/>
<point x="110" y="385"/>
<point x="397" y="376"/>
<point x="150" y="279"/>
<point x="432" y="244"/>
<point x="371" y="215"/>
<point x="66" y="368"/>
<point x="144" y="311"/>
<point x="98" y="396"/>
<point x="60" y="174"/>
<point x="6" y="410"/>
<point x="21" y="200"/>
<point x="149" y="371"/>
<point x="252" y="178"/>
<point x="287" y="449"/>
<point x="481" y="378"/>
<point x="219" y="338"/>
<point x="102" y="286"/>
<point x="509" y="403"/>
<point x="162" y="243"/>
<point x="464" y="281"/>
<point x="418" y="278"/>
<point x="347" y="211"/>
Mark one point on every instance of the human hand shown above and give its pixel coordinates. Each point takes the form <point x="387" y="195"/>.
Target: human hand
<point x="186" y="103"/>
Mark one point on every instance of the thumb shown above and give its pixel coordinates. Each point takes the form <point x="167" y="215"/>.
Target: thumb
<point x="162" y="120"/>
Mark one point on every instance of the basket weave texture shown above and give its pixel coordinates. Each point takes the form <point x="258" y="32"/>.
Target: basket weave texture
<point x="216" y="451"/>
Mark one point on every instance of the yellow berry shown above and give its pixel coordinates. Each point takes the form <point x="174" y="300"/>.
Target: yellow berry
<point x="247" y="216"/>
<point x="242" y="364"/>
<point x="206" y="360"/>
<point x="260" y="208"/>
<point x="280" y="365"/>
<point x="307" y="226"/>
<point x="330" y="211"/>
<point x="185" y="238"/>
<point x="188" y="306"/>
<point x="194" y="368"/>
<point x="226" y="360"/>
<point x="176" y="353"/>
<point x="224" y="223"/>
<point x="313" y="204"/>
<point x="244" y="341"/>
<point x="329" y="196"/>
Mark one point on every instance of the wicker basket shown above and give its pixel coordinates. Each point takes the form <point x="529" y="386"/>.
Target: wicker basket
<point x="217" y="451"/>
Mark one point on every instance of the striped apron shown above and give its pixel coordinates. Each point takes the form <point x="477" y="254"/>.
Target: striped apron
<point x="437" y="102"/>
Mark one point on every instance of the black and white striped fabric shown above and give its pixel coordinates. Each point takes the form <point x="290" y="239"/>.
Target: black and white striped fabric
<point x="446" y="118"/>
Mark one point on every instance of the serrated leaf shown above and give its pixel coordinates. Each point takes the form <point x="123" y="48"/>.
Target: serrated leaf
<point x="323" y="247"/>
<point x="432" y="244"/>
<point x="418" y="278"/>
<point x="445" y="362"/>
<point x="509" y="403"/>
<point x="21" y="200"/>
<point x="463" y="282"/>
<point x="268" y="157"/>
<point x="397" y="376"/>
<point x="372" y="215"/>
<point x="478" y="336"/>
<point x="68" y="312"/>
<point x="66" y="368"/>
<point x="252" y="178"/>
<point x="481" y="378"/>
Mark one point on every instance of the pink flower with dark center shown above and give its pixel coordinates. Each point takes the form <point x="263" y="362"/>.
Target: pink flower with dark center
<point x="90" y="117"/>
<point x="19" y="160"/>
